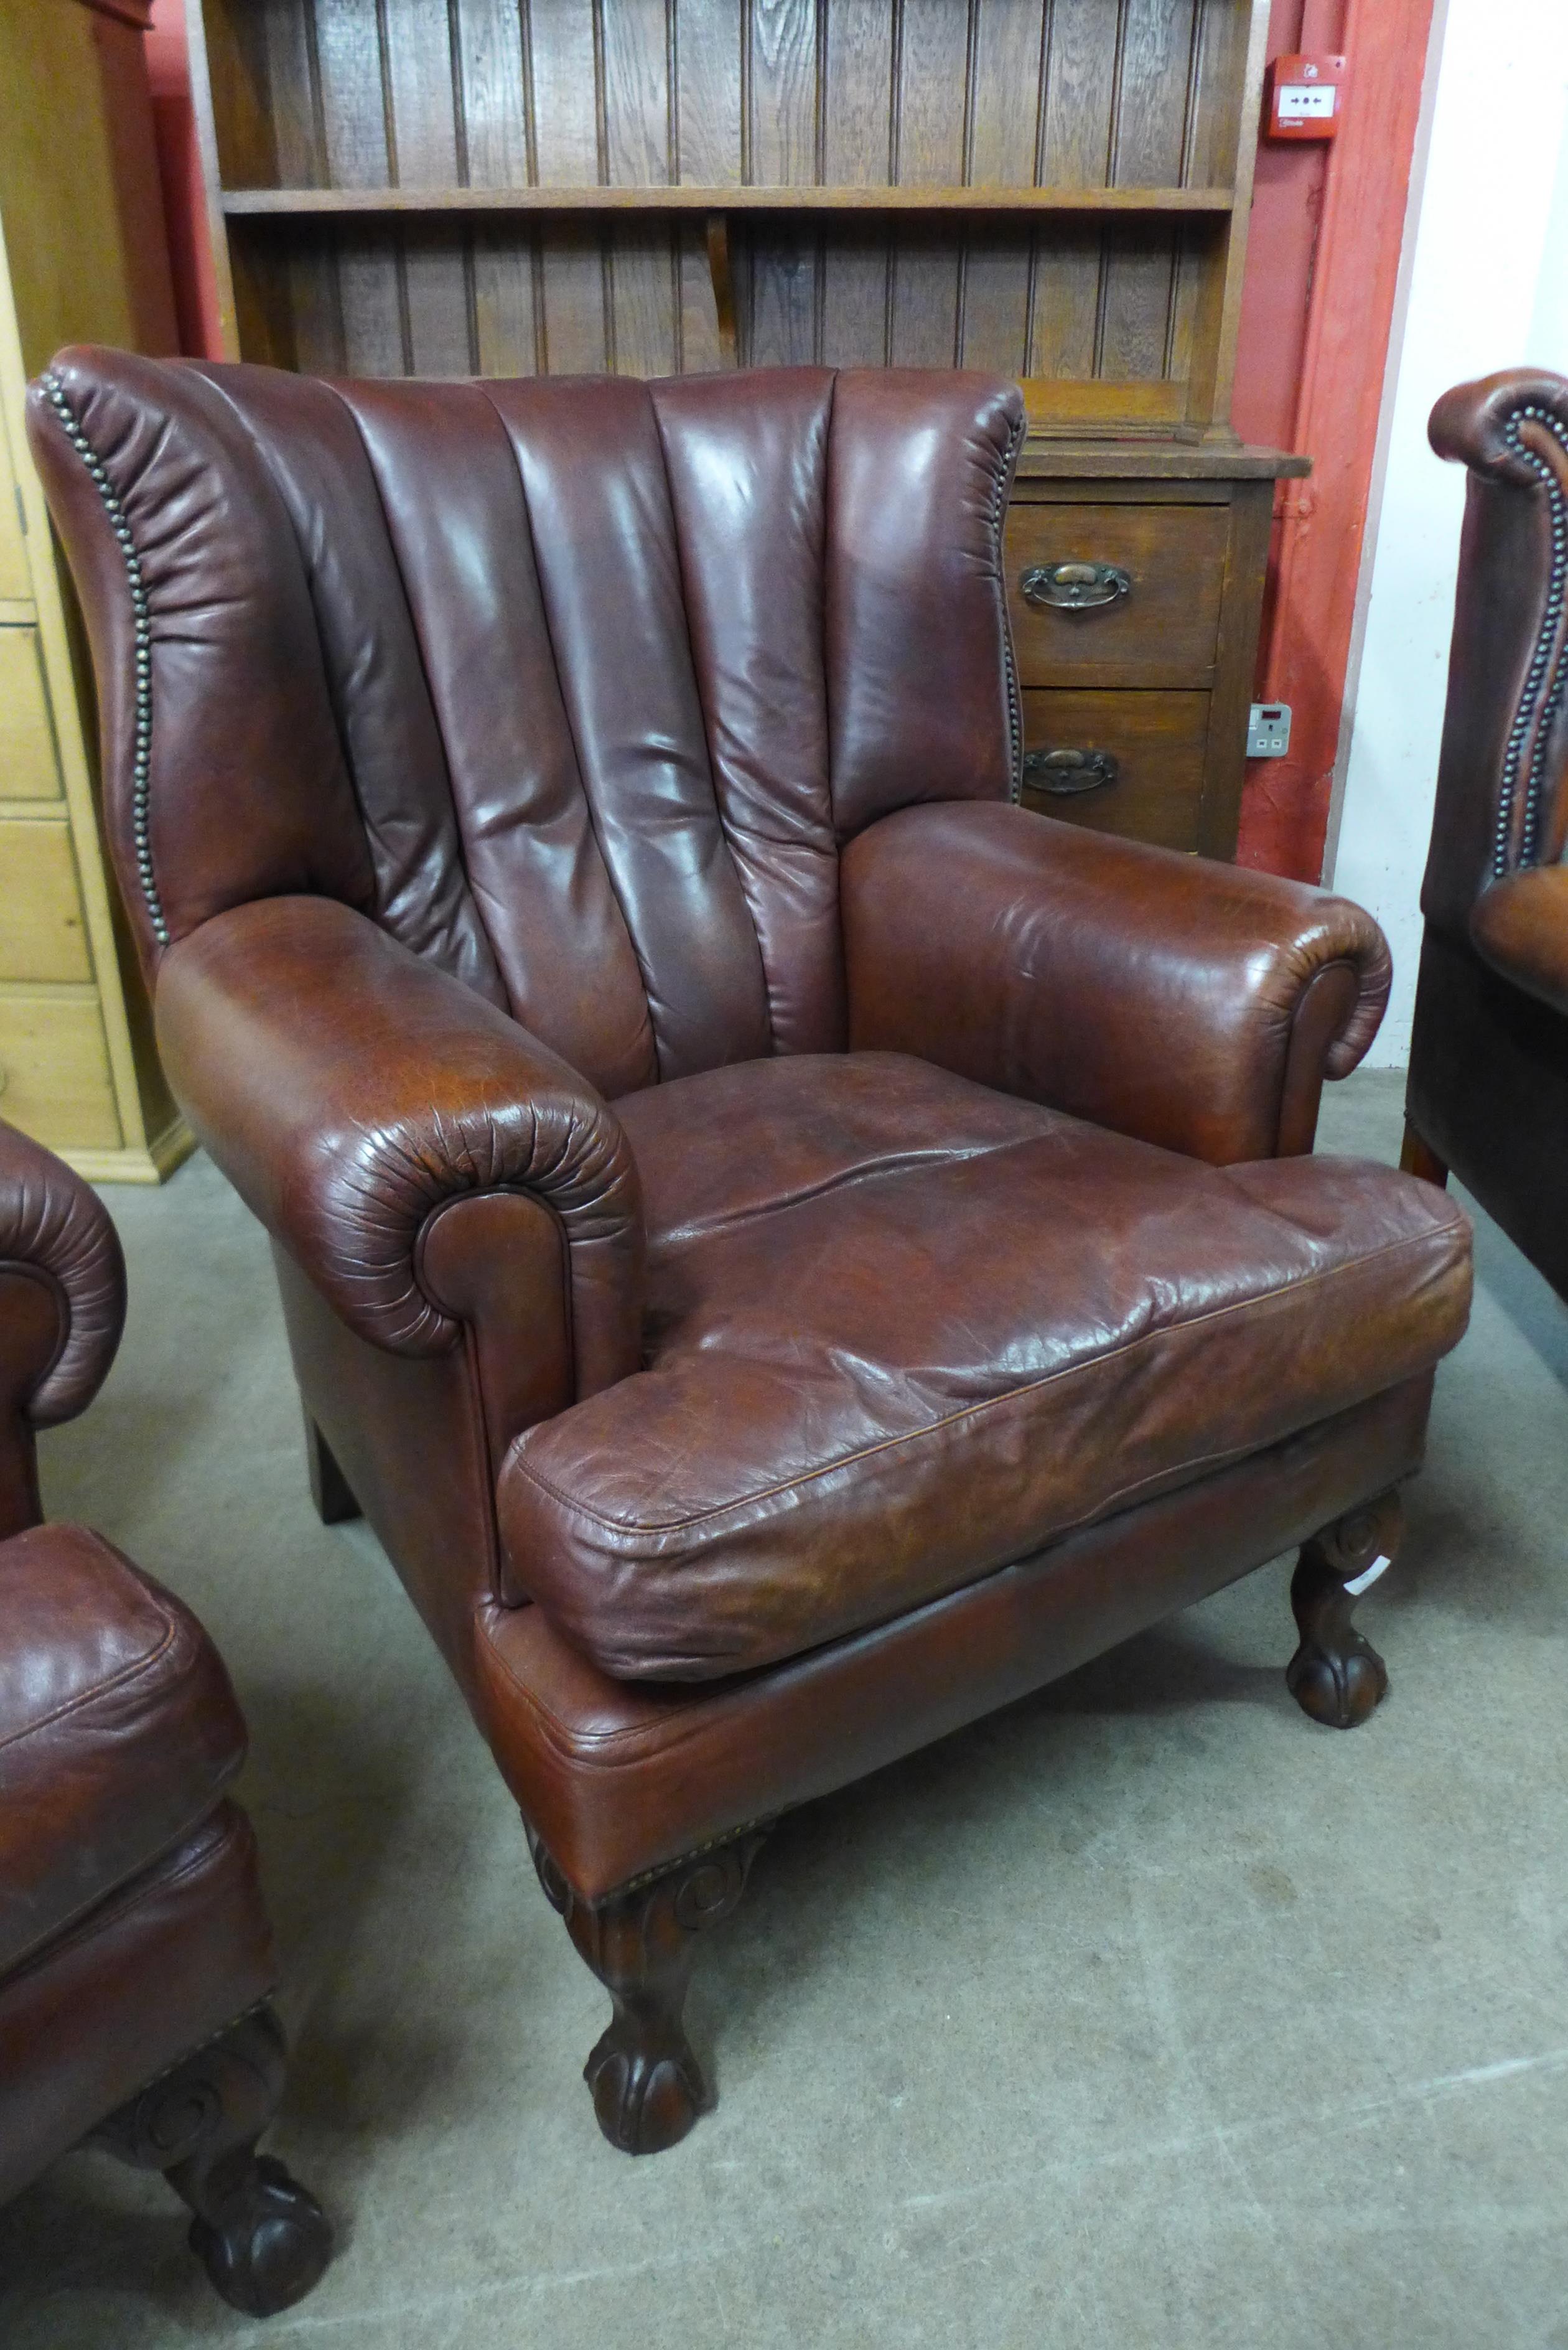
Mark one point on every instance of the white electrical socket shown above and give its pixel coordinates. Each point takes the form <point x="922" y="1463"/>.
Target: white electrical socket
<point x="1268" y="730"/>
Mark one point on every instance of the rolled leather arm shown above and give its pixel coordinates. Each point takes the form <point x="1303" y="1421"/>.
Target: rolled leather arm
<point x="350" y="1089"/>
<point x="53" y="1228"/>
<point x="1190" y="1003"/>
<point x="1520" y="926"/>
<point x="1480" y="424"/>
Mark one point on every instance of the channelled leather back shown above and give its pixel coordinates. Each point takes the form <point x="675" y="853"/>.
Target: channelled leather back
<point x="1503" y="783"/>
<point x="575" y="685"/>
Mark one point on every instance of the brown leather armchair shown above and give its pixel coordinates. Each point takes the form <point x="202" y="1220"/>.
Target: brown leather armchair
<point x="790" y="1250"/>
<point x="136" y="1962"/>
<point x="1488" y="1092"/>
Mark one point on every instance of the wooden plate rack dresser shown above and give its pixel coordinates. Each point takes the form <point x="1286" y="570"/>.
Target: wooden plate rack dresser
<point x="1055" y="189"/>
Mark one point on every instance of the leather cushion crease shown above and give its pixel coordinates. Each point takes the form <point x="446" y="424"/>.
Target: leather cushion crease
<point x="882" y="1361"/>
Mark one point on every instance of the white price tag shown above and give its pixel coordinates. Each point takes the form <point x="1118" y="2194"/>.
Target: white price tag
<point x="1365" y="1582"/>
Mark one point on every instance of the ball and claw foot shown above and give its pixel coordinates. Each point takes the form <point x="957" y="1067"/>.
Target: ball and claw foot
<point x="266" y="2242"/>
<point x="648" y="2086"/>
<point x="261" y="2237"/>
<point x="1336" y="1676"/>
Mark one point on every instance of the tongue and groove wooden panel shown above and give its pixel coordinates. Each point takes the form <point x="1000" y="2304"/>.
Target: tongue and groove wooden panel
<point x="422" y="106"/>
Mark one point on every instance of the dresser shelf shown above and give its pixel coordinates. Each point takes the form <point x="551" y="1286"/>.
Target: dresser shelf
<point x="1054" y="189"/>
<point x="238" y="201"/>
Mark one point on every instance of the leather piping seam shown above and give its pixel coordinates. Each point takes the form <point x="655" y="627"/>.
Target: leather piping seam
<point x="128" y="1896"/>
<point x="973" y="1411"/>
<point x="141" y="629"/>
<point x="1545" y="683"/>
<point x="129" y="1672"/>
<point x="170" y="1840"/>
<point x="585" y="1753"/>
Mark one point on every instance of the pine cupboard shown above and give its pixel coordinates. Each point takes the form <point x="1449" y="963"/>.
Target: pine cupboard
<point x="82" y="258"/>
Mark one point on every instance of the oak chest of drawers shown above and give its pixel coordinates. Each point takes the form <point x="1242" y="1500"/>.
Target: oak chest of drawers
<point x="1135" y="575"/>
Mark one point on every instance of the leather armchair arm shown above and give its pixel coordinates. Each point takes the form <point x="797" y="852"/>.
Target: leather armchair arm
<point x="1520" y="926"/>
<point x="1191" y="1003"/>
<point x="55" y="1237"/>
<point x="356" y="1096"/>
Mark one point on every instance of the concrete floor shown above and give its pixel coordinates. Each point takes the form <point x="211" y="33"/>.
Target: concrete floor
<point x="1143" y="2013"/>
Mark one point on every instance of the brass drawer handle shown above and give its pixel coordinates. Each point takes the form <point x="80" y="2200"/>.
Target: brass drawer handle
<point x="1065" y="773"/>
<point x="1074" y="587"/>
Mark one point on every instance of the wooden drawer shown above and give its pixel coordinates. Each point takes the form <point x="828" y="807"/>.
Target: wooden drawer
<point x="1164" y="631"/>
<point x="28" y="768"/>
<point x="54" y="1072"/>
<point x="42" y="932"/>
<point x="1159" y="743"/>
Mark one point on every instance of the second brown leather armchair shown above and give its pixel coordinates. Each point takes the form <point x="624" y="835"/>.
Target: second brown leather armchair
<point x="1489" y="1056"/>
<point x="789" y="1250"/>
<point x="136" y="1960"/>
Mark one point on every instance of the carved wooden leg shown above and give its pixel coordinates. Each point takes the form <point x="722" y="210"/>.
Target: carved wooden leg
<point x="648" y="2085"/>
<point x="330" y="1488"/>
<point x="263" y="2239"/>
<point x="1419" y="1157"/>
<point x="1336" y="1675"/>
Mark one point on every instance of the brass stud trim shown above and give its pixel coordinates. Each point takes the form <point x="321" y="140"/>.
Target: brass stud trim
<point x="141" y="765"/>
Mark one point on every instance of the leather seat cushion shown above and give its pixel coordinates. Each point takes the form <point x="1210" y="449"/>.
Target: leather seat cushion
<point x="118" y="1729"/>
<point x="904" y="1330"/>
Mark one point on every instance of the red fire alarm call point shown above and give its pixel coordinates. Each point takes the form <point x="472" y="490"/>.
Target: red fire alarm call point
<point x="1305" y="96"/>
